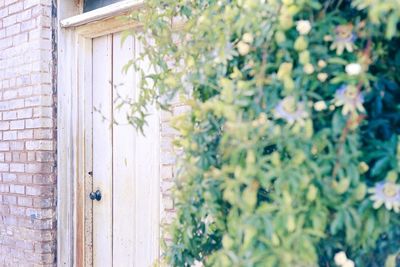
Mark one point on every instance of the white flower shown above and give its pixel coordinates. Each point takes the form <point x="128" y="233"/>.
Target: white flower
<point x="351" y="100"/>
<point x="353" y="69"/>
<point x="291" y="111"/>
<point x="308" y="68"/>
<point x="197" y="263"/>
<point x="320" y="105"/>
<point x="248" y="38"/>
<point x="321" y="63"/>
<point x="243" y="48"/>
<point x="322" y="76"/>
<point x="387" y="193"/>
<point x="303" y="27"/>
<point x="344" y="39"/>
<point x="340" y="258"/>
<point x="348" y="263"/>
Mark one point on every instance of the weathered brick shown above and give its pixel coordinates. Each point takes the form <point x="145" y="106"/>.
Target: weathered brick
<point x="9" y="115"/>
<point x="4" y="188"/>
<point x="25" y="134"/>
<point x="39" y="123"/>
<point x="4" y="167"/>
<point x="17" y="125"/>
<point x="4" y="146"/>
<point x="25" y="201"/>
<point x="17" y="167"/>
<point x="10" y="135"/>
<point x="24" y="113"/>
<point x="11" y="200"/>
<point x="25" y="15"/>
<point x="4" y="125"/>
<point x="39" y="145"/>
<point x="17" y="145"/>
<point x="13" y="30"/>
<point x="9" y="20"/>
<point x="17" y="189"/>
<point x="18" y="6"/>
<point x="9" y="177"/>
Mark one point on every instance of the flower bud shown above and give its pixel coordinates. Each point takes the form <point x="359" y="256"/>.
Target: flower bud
<point x="288" y="84"/>
<point x="250" y="158"/>
<point x="227" y="242"/>
<point x="285" y="69"/>
<point x="342" y="186"/>
<point x="363" y="167"/>
<point x="360" y="192"/>
<point x="275" y="240"/>
<point x="391" y="176"/>
<point x="280" y="37"/>
<point x="312" y="193"/>
<point x="304" y="57"/>
<point x="285" y="22"/>
<point x="291" y="224"/>
<point x="287" y="2"/>
<point x="275" y="159"/>
<point x="300" y="44"/>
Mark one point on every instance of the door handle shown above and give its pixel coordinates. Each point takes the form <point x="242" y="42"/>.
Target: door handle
<point x="95" y="195"/>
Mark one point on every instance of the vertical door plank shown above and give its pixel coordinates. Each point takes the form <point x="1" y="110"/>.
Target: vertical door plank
<point x="84" y="161"/>
<point x="147" y="184"/>
<point x="123" y="156"/>
<point x="102" y="150"/>
<point x="87" y="89"/>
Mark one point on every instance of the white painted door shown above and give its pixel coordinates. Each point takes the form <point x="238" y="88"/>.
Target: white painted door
<point x="125" y="163"/>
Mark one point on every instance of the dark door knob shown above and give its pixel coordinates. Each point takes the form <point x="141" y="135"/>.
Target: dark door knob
<point x="95" y="195"/>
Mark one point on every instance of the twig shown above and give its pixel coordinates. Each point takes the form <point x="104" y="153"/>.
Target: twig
<point x="342" y="140"/>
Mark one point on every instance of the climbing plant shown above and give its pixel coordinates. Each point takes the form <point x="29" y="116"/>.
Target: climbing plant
<point x="291" y="146"/>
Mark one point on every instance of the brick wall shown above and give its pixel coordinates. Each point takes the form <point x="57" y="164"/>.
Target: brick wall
<point x="168" y="165"/>
<point x="27" y="134"/>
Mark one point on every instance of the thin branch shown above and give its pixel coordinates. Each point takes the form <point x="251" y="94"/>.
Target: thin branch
<point x="342" y="140"/>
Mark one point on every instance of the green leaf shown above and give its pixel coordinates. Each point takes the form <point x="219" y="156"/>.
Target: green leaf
<point x="380" y="166"/>
<point x="391" y="260"/>
<point x="337" y="60"/>
<point x="392" y="25"/>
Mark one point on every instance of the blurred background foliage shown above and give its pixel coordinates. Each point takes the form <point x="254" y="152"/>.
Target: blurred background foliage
<point x="291" y="146"/>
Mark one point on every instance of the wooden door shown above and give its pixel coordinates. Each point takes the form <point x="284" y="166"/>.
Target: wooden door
<point x="125" y="165"/>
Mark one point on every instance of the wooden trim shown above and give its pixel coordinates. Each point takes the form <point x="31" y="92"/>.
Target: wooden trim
<point x="65" y="150"/>
<point x="113" y="10"/>
<point x="104" y="27"/>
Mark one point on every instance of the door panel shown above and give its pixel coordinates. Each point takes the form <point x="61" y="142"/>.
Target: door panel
<point x="125" y="163"/>
<point x="124" y="175"/>
<point x="147" y="172"/>
<point x="102" y="150"/>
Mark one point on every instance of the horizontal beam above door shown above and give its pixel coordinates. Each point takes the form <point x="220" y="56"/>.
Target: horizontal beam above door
<point x="116" y="9"/>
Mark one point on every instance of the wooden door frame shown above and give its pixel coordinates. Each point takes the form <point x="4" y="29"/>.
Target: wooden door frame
<point x="75" y="34"/>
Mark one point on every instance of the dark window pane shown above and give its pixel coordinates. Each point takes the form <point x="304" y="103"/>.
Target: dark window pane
<point x="89" y="5"/>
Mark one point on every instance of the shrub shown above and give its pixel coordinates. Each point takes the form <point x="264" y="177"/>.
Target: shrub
<point x="291" y="147"/>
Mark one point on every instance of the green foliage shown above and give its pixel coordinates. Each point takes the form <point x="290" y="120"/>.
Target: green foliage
<point x="291" y="147"/>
